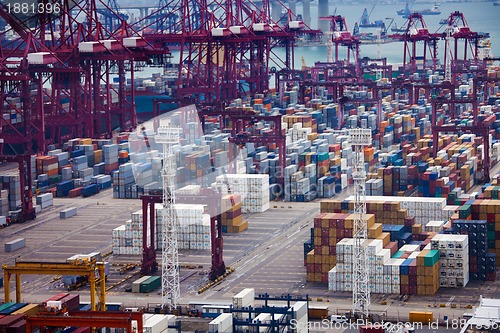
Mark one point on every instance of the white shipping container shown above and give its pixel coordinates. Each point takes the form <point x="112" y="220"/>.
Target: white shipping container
<point x="222" y="324"/>
<point x="244" y="298"/>
<point x="155" y="324"/>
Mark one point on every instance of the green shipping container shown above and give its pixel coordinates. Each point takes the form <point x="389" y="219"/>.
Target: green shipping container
<point x="151" y="284"/>
<point x="431" y="258"/>
<point x="398" y="254"/>
<point x="6" y="305"/>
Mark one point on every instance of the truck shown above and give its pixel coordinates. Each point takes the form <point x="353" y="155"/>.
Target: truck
<point x="317" y="312"/>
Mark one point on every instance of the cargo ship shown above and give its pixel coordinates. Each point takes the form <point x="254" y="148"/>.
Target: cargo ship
<point x="365" y="21"/>
<point x="406" y="11"/>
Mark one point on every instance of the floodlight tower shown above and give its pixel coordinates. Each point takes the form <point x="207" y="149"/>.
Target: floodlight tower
<point x="170" y="288"/>
<point x="360" y="138"/>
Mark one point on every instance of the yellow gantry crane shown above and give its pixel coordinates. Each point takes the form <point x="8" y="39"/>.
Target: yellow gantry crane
<point x="81" y="267"/>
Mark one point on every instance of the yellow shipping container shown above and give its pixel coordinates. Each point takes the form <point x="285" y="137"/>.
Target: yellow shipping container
<point x="421" y="316"/>
<point x="29" y="310"/>
<point x="86" y="141"/>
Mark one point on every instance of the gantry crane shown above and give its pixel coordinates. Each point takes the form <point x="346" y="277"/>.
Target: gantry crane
<point x="458" y="30"/>
<point x="212" y="202"/>
<point x="360" y="138"/>
<point x="416" y="33"/>
<point x="94" y="270"/>
<point x="339" y="35"/>
<point x="170" y="287"/>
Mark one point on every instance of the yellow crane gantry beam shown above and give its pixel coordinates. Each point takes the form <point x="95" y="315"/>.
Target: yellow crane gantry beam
<point x="94" y="270"/>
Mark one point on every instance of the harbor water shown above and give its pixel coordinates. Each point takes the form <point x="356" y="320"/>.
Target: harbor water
<point x="481" y="17"/>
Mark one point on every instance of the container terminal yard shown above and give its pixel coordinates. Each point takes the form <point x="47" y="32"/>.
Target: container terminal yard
<point x="234" y="192"/>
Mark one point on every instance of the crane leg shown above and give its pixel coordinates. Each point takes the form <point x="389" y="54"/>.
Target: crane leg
<point x="6" y="286"/>
<point x="18" y="288"/>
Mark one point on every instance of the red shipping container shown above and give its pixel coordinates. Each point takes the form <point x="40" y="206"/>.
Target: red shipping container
<point x="57" y="297"/>
<point x="348" y="233"/>
<point x="393" y="246"/>
<point x="404" y="289"/>
<point x="409" y="221"/>
<point x="19" y="327"/>
<point x="71" y="302"/>
<point x="333" y="250"/>
<point x="324" y="277"/>
<point x="9" y="320"/>
<point x="76" y="192"/>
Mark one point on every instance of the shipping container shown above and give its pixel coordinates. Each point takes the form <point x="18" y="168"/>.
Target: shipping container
<point x="150" y="284"/>
<point x="421" y="316"/>
<point x="317" y="312"/>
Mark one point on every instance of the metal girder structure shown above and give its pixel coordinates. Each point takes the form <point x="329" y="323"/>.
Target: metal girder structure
<point x="108" y="319"/>
<point x="417" y="33"/>
<point x="226" y="46"/>
<point x="479" y="129"/>
<point x="281" y="319"/>
<point x="168" y="136"/>
<point x="24" y="166"/>
<point x="360" y="138"/>
<point x="23" y="130"/>
<point x="212" y="201"/>
<point x="446" y="91"/>
<point x="94" y="270"/>
<point x="286" y="79"/>
<point x="340" y="71"/>
<point x="368" y="65"/>
<point x="284" y="298"/>
<point x="149" y="263"/>
<point x="458" y="29"/>
<point x="241" y="122"/>
<point x="341" y="37"/>
<point x="112" y="15"/>
<point x="374" y="100"/>
<point x="67" y="91"/>
<point x="284" y="312"/>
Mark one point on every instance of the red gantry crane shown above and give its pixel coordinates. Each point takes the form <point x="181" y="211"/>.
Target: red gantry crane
<point x="464" y="39"/>
<point x="415" y="58"/>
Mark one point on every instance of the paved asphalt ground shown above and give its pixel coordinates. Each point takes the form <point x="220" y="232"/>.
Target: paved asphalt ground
<point x="268" y="257"/>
